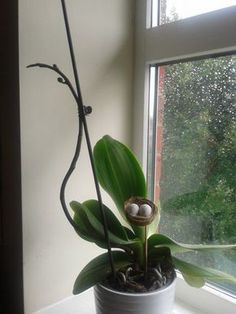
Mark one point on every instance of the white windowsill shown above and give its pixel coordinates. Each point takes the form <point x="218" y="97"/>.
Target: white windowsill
<point x="187" y="301"/>
<point x="207" y="300"/>
<point x="84" y="304"/>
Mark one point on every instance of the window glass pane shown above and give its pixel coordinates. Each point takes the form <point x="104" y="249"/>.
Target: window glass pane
<point x="195" y="155"/>
<point x="151" y="128"/>
<point x="172" y="10"/>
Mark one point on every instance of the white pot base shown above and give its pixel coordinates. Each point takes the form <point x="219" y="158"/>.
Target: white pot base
<point x="110" y="301"/>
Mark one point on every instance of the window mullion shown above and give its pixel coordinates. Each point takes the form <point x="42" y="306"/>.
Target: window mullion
<point x="200" y="35"/>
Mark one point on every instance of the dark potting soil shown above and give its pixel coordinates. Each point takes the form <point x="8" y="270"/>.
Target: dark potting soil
<point x="133" y="280"/>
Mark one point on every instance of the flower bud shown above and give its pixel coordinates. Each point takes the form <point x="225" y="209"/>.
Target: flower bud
<point x="145" y="210"/>
<point x="132" y="209"/>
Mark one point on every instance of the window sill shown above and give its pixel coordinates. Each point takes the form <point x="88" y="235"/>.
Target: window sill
<point x="206" y="300"/>
<point x="84" y="304"/>
<point x="188" y="301"/>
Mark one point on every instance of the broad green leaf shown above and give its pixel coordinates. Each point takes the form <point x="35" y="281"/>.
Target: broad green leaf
<point x="85" y="230"/>
<point x="120" y="174"/>
<point x="98" y="226"/>
<point x="161" y="254"/>
<point x="130" y="234"/>
<point x="118" y="171"/>
<point x="197" y="276"/>
<point x="99" y="269"/>
<point x="160" y="240"/>
<point x="113" y="223"/>
<point x="89" y="218"/>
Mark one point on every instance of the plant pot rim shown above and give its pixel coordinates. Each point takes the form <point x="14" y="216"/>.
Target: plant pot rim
<point x="139" y="294"/>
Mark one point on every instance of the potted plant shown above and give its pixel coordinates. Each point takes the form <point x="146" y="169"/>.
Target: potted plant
<point x="137" y="273"/>
<point x="146" y="260"/>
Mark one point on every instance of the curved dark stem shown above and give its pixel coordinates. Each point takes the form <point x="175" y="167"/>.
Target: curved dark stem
<point x="145" y="254"/>
<point x="68" y="174"/>
<point x="83" y="119"/>
<point x="63" y="79"/>
<point x="82" y="111"/>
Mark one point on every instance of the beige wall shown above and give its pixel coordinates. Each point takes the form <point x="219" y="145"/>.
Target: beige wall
<point x="103" y="32"/>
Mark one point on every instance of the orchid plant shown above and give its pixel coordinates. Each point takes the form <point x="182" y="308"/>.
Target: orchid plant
<point x="136" y="246"/>
<point x="138" y="258"/>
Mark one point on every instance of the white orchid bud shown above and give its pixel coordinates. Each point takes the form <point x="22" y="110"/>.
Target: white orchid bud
<point x="132" y="209"/>
<point x="145" y="210"/>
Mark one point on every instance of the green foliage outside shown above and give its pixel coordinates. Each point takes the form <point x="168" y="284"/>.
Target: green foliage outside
<point x="198" y="182"/>
<point x="199" y="149"/>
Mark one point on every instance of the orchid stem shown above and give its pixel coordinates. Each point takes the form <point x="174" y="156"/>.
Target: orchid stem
<point x="84" y="122"/>
<point x="145" y="254"/>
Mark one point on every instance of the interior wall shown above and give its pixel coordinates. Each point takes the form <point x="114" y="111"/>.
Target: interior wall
<point x="102" y="31"/>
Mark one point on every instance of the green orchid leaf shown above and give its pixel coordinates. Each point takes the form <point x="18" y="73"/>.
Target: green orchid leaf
<point x="98" y="226"/>
<point x="88" y="215"/>
<point x="85" y="230"/>
<point x="160" y="256"/>
<point x="119" y="172"/>
<point x="113" y="223"/>
<point x="160" y="240"/>
<point x="130" y="234"/>
<point x="197" y="276"/>
<point x="99" y="269"/>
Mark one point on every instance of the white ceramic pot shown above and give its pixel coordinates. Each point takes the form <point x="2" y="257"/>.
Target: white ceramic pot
<point x="110" y="301"/>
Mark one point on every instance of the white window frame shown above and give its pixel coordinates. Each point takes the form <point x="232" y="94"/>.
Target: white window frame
<point x="204" y="35"/>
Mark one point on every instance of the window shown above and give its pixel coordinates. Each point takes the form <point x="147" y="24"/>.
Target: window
<point x="166" y="11"/>
<point x="195" y="155"/>
<point x="185" y="114"/>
